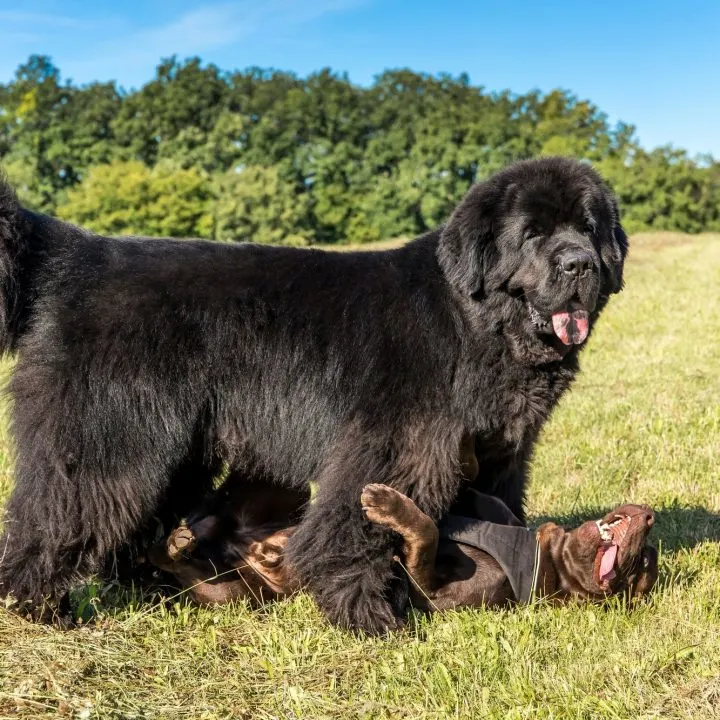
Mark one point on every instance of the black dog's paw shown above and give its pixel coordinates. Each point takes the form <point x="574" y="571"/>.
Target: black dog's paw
<point x="381" y="503"/>
<point x="54" y="613"/>
<point x="381" y="620"/>
<point x="356" y="609"/>
<point x="376" y="619"/>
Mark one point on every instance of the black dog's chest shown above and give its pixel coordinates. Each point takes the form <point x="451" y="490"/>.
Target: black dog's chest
<point x="517" y="413"/>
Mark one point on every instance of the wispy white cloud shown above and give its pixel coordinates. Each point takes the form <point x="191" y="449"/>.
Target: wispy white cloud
<point x="29" y="18"/>
<point x="105" y="46"/>
<point x="204" y="29"/>
<point x="223" y="23"/>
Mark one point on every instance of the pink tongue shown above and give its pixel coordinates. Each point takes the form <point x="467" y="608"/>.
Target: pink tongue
<point x="607" y="563"/>
<point x="571" y="327"/>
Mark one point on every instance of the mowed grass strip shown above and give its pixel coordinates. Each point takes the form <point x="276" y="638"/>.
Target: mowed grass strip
<point x="641" y="424"/>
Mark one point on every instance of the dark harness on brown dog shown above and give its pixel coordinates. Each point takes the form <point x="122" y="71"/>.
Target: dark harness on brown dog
<point x="515" y="549"/>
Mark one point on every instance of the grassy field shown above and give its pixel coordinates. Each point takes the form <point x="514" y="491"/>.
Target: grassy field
<point x="642" y="424"/>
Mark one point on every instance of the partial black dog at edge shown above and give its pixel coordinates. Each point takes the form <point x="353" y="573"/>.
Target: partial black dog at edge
<point x="144" y="364"/>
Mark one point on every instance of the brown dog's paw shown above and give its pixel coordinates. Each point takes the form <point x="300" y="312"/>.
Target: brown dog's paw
<point x="180" y="541"/>
<point x="380" y="503"/>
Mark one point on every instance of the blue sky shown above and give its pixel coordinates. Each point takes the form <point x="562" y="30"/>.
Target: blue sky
<point x="653" y="64"/>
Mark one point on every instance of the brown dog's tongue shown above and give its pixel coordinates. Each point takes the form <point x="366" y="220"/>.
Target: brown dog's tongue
<point x="571" y="327"/>
<point x="607" y="563"/>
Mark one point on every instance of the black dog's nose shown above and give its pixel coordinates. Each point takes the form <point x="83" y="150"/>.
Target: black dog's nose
<point x="576" y="262"/>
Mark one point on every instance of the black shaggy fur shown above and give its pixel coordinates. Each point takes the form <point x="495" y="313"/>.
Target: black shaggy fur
<point x="143" y="364"/>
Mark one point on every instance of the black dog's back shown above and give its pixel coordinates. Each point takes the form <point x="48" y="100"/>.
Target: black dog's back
<point x="191" y="329"/>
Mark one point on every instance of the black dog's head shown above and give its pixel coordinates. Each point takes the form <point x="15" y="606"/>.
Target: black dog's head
<point x="543" y="238"/>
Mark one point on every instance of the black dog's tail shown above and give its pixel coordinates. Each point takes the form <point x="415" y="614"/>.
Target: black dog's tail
<point x="12" y="242"/>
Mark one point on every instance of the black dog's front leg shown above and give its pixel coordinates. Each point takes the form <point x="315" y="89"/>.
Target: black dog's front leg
<point x="345" y="562"/>
<point x="504" y="477"/>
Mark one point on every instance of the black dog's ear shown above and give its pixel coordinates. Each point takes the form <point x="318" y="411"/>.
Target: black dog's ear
<point x="467" y="247"/>
<point x="613" y="255"/>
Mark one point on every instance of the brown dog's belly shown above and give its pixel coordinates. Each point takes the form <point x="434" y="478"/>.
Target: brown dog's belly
<point x="219" y="591"/>
<point x="466" y="577"/>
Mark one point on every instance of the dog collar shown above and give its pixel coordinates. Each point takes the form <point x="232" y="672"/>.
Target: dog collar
<point x="514" y="548"/>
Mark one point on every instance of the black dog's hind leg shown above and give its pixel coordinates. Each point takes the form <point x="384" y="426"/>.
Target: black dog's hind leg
<point x="189" y="486"/>
<point x="88" y="475"/>
<point x="59" y="528"/>
<point x="103" y="443"/>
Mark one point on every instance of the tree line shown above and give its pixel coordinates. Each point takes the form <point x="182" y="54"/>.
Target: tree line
<point x="267" y="156"/>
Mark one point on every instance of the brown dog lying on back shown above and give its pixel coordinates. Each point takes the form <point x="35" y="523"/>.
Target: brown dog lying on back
<point x="489" y="559"/>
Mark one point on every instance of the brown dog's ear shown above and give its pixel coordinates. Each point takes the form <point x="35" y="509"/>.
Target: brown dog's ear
<point x="550" y="539"/>
<point x="548" y="532"/>
<point x="467" y="248"/>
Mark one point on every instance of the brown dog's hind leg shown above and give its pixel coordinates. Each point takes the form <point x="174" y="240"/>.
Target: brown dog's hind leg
<point x="386" y="506"/>
<point x="181" y="540"/>
<point x="165" y="554"/>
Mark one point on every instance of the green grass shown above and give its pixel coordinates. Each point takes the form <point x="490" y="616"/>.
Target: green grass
<point x="641" y="424"/>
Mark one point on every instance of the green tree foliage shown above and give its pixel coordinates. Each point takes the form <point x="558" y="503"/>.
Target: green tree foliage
<point x="266" y="156"/>
<point x="173" y="115"/>
<point x="51" y="132"/>
<point x="665" y="190"/>
<point x="256" y="204"/>
<point x="130" y="198"/>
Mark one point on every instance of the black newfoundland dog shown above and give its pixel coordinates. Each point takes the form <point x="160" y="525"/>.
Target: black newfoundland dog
<point x="145" y="365"/>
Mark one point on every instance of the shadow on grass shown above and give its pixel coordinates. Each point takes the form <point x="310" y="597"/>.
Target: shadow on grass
<point x="676" y="526"/>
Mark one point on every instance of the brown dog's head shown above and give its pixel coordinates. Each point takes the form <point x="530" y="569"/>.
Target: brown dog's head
<point x="603" y="557"/>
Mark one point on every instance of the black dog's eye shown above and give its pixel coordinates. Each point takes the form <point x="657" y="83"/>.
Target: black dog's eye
<point x="531" y="233"/>
<point x="590" y="228"/>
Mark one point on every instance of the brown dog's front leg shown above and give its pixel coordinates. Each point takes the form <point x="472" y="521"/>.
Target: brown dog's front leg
<point x="386" y="506"/>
